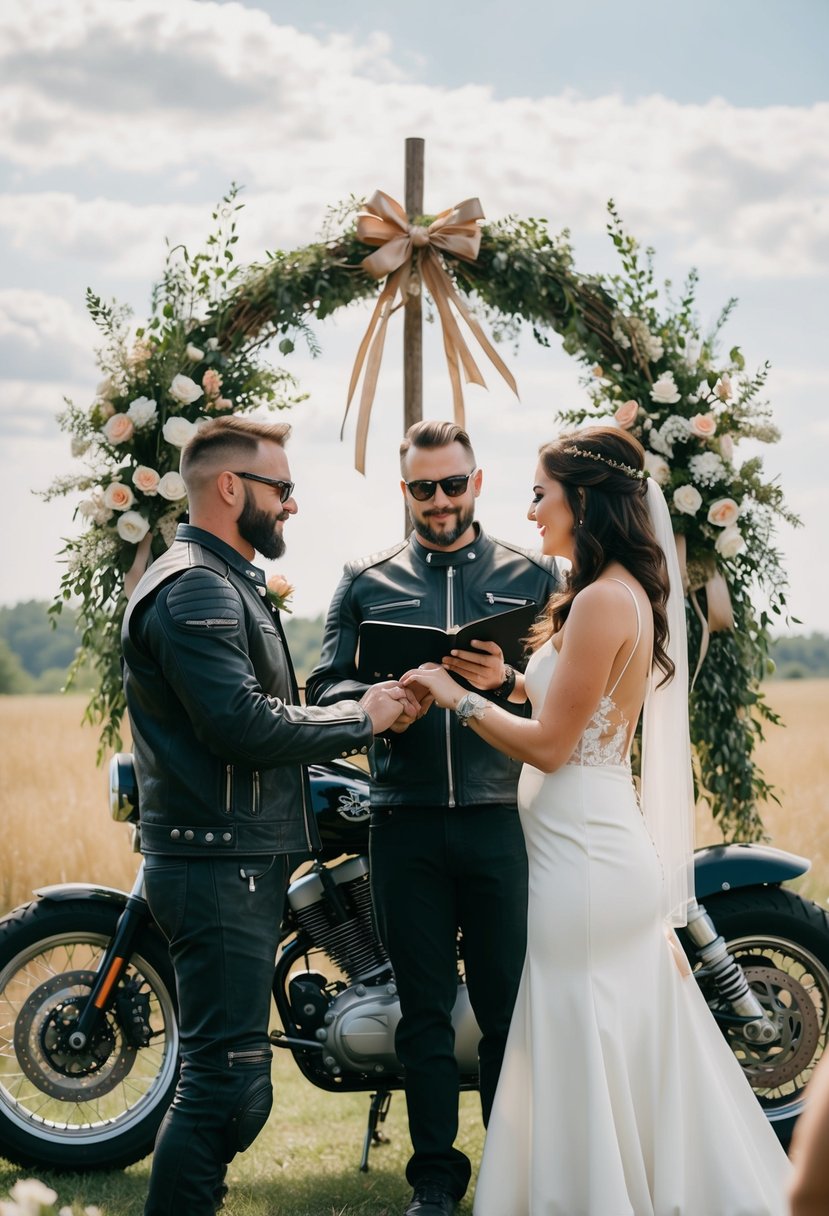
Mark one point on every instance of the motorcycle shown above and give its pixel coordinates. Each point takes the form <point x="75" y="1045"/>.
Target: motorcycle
<point x="88" y="1033"/>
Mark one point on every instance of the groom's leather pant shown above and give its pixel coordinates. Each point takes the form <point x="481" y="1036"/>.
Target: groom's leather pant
<point x="223" y="938"/>
<point x="435" y="870"/>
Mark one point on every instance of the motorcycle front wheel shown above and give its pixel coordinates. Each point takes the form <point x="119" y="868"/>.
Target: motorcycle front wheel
<point x="99" y="1107"/>
<point x="781" y="941"/>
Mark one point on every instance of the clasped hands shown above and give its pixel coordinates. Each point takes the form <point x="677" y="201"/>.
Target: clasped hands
<point x="399" y="703"/>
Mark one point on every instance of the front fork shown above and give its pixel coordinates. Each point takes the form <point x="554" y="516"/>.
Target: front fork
<point x="725" y="972"/>
<point x="113" y="964"/>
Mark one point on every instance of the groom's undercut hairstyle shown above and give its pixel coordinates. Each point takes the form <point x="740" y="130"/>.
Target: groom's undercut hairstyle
<point x="428" y="434"/>
<point x="226" y="443"/>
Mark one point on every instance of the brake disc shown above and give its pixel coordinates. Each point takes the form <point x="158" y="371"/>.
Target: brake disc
<point x="41" y="1042"/>
<point x="798" y="1024"/>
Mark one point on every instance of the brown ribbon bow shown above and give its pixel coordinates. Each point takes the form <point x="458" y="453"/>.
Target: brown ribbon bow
<point x="720" y="616"/>
<point x="384" y="223"/>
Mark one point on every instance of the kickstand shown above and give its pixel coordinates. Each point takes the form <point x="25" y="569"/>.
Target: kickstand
<point x="377" y="1112"/>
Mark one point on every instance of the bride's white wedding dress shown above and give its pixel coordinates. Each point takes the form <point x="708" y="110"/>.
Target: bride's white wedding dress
<point x="618" y="1094"/>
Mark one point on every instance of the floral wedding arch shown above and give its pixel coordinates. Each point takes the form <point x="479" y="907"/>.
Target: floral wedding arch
<point x="644" y="361"/>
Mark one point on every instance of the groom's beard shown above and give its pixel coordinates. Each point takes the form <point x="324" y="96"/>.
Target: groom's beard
<point x="258" y="528"/>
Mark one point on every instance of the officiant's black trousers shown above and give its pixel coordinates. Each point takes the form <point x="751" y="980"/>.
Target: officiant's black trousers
<point x="223" y="933"/>
<point x="435" y="870"/>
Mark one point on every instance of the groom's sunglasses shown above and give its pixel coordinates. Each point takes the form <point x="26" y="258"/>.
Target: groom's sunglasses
<point x="286" y="488"/>
<point x="452" y="487"/>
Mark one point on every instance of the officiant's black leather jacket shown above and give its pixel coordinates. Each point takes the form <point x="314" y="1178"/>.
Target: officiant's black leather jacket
<point x="435" y="762"/>
<point x="218" y="737"/>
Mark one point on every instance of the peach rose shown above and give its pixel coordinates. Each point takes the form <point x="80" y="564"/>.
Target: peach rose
<point x="119" y="428"/>
<point x="626" y="414"/>
<point x="723" y="513"/>
<point x="211" y="382"/>
<point x="703" y="425"/>
<point x="146" y="479"/>
<point x="118" y="497"/>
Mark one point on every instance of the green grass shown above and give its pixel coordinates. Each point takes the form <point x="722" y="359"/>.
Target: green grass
<point x="305" y="1162"/>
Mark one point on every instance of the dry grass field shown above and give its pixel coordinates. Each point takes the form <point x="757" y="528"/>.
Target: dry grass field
<point x="55" y="816"/>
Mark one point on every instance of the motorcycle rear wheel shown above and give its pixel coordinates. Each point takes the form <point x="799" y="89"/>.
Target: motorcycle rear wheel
<point x="99" y="1108"/>
<point x="782" y="943"/>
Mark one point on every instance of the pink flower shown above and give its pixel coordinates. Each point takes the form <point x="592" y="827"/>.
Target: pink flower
<point x="119" y="428"/>
<point x="146" y="479"/>
<point x="118" y="497"/>
<point x="723" y="513"/>
<point x="626" y="414"/>
<point x="703" y="425"/>
<point x="211" y="382"/>
<point x="221" y="403"/>
<point x="279" y="591"/>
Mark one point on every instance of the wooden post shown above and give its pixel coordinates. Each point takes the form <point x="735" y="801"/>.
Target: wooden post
<point x="413" y="309"/>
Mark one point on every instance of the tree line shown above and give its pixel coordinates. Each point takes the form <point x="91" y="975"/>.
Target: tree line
<point x="36" y="650"/>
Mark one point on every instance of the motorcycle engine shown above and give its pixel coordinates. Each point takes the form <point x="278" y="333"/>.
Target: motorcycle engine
<point x="356" y="1021"/>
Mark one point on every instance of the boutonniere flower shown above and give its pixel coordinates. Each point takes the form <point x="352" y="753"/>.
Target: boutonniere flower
<point x="279" y="591"/>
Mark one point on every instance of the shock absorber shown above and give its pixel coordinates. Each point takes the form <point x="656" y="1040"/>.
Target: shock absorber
<point x="727" y="975"/>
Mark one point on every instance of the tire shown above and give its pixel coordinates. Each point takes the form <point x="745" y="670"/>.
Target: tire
<point x="98" y="1109"/>
<point x="782" y="943"/>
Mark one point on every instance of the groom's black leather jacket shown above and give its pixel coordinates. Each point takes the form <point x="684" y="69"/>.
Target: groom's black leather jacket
<point x="434" y="762"/>
<point x="218" y="736"/>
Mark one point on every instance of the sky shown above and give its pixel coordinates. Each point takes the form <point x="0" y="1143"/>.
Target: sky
<point x="122" y="122"/>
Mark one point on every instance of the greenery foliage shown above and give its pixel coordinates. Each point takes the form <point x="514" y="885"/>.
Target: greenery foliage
<point x="644" y="359"/>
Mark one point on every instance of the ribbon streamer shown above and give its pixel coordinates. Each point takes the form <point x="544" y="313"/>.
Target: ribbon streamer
<point x="720" y="615"/>
<point x="140" y="563"/>
<point x="402" y="247"/>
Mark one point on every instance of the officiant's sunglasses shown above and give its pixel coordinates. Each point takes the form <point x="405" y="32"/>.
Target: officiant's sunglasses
<point x="452" y="487"/>
<point x="286" y="488"/>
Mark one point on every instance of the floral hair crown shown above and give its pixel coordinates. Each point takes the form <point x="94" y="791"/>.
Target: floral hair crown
<point x="627" y="469"/>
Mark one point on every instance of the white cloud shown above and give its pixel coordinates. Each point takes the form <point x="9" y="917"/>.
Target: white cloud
<point x="42" y="336"/>
<point x="164" y="90"/>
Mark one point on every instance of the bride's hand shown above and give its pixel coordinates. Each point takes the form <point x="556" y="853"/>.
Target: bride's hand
<point x="437" y="681"/>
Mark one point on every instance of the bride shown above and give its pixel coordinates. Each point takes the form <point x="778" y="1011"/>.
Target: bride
<point x="618" y="1094"/>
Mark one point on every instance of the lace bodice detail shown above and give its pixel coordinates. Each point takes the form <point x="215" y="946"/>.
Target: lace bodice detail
<point x="605" y="738"/>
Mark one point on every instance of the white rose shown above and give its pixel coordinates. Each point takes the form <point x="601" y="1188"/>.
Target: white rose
<point x="118" y="497"/>
<point x="657" y="468"/>
<point x="213" y="343"/>
<point x="730" y="542"/>
<point x="178" y="430"/>
<point x="727" y="447"/>
<point x="142" y="411"/>
<point x="687" y="499"/>
<point x="146" y="479"/>
<point x="132" y="527"/>
<point x="193" y="353"/>
<point x="172" y="487"/>
<point x="185" y="390"/>
<point x="31" y="1194"/>
<point x="118" y="429"/>
<point x="723" y="513"/>
<point x="664" y="390"/>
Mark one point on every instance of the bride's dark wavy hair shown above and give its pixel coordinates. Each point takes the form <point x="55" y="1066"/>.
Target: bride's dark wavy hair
<point x="606" y="491"/>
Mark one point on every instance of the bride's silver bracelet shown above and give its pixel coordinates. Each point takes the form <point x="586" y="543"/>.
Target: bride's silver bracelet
<point x="471" y="705"/>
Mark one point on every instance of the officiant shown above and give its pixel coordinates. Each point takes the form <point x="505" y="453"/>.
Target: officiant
<point x="447" y="852"/>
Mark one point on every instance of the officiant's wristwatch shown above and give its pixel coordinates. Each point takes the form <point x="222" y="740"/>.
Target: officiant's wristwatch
<point x="504" y="690"/>
<point x="471" y="705"/>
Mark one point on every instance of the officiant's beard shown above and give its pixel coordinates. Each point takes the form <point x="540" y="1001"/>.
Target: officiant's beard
<point x="464" y="518"/>
<point x="258" y="528"/>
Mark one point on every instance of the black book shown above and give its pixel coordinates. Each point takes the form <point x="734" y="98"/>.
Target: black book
<point x="387" y="649"/>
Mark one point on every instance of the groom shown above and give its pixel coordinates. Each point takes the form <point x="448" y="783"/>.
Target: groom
<point x="447" y="851"/>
